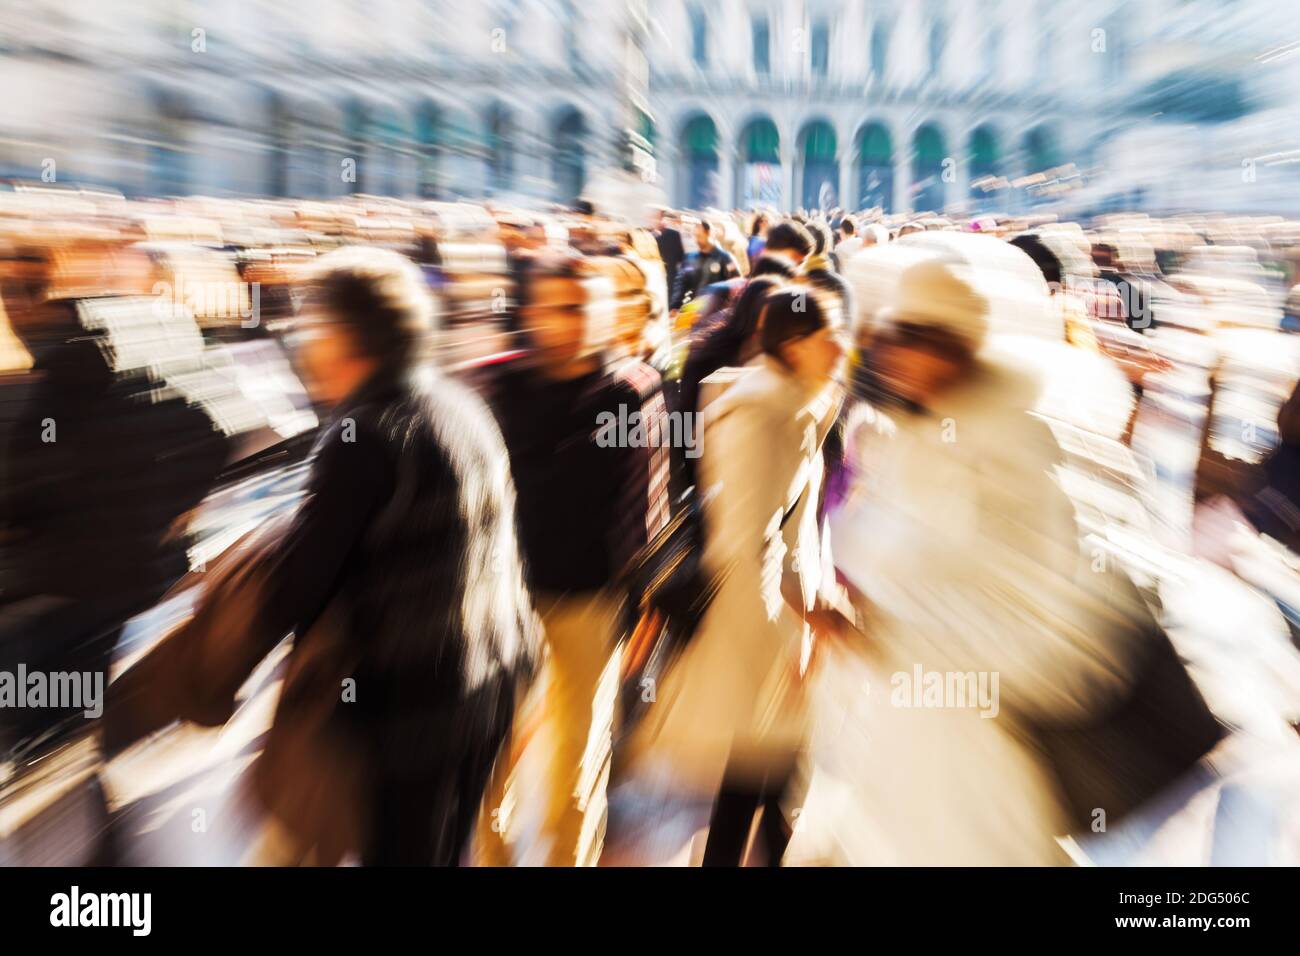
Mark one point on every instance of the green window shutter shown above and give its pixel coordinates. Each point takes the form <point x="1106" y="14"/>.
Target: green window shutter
<point x="876" y="148"/>
<point x="983" y="150"/>
<point x="929" y="146"/>
<point x="762" y="143"/>
<point x="819" y="143"/>
<point x="700" y="137"/>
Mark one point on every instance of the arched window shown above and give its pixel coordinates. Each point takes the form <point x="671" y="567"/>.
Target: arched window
<point x="821" y="171"/>
<point x="501" y="148"/>
<point x="928" y="187"/>
<point x="985" y="163"/>
<point x="427" y="139"/>
<point x="570" y="158"/>
<point x="760" y="164"/>
<point x="354" y="134"/>
<point x="875" y="168"/>
<point x="1040" y="151"/>
<point x="700" y="159"/>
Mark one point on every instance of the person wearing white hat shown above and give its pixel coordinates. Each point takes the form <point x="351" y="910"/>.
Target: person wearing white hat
<point x="965" y="552"/>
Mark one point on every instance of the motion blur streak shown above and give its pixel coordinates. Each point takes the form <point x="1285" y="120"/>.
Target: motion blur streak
<point x="727" y="434"/>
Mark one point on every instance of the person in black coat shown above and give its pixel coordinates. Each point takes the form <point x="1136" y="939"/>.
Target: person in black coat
<point x="671" y="251"/>
<point x="592" y="494"/>
<point x="100" y="465"/>
<point x="409" y="525"/>
<point x="710" y="265"/>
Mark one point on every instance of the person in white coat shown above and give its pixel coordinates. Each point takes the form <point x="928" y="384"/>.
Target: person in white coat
<point x="731" y="717"/>
<point x="982" y="617"/>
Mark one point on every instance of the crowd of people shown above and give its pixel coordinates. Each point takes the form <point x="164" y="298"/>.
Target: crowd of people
<point x="949" y="458"/>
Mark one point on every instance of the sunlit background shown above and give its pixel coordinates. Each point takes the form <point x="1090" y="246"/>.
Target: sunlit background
<point x="1162" y="105"/>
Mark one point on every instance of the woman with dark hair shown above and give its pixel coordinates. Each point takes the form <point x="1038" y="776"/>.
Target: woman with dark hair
<point x="731" y="717"/>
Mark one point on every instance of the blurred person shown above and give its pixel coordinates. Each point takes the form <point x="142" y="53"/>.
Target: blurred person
<point x="1291" y="310"/>
<point x="1073" y="312"/>
<point x="874" y="235"/>
<point x="730" y="335"/>
<point x="1266" y="496"/>
<point x="820" y="270"/>
<point x="849" y="240"/>
<point x="757" y="236"/>
<point x="101" y="469"/>
<point x="708" y="266"/>
<point x="671" y="251"/>
<point x="910" y="227"/>
<point x="586" y="508"/>
<point x="966" y="552"/>
<point x="731" y="714"/>
<point x="788" y="245"/>
<point x="730" y="234"/>
<point x="399" y="573"/>
<point x="410" y="518"/>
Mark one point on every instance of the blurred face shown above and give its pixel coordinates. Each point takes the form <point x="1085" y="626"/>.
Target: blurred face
<point x="555" y="318"/>
<point x="916" y="374"/>
<point x="328" y="358"/>
<point x="702" y="238"/>
<point x="26" y="284"/>
<point x="819" y="358"/>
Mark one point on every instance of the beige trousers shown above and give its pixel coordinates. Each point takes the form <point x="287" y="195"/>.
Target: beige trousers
<point x="575" y="719"/>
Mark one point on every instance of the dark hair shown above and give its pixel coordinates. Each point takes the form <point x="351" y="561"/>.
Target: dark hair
<point x="706" y="226"/>
<point x="821" y="236"/>
<point x="1046" y="260"/>
<point x="791" y="236"/>
<point x="848" y="226"/>
<point x="930" y="338"/>
<point x="748" y="306"/>
<point x="790" y="313"/>
<point x="379" y="295"/>
<point x="759" y="221"/>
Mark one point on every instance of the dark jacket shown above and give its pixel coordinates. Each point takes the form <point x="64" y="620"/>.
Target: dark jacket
<point x="98" y="467"/>
<point x="586" y="506"/>
<point x="405" y="546"/>
<point x="672" y="252"/>
<point x="703" y="270"/>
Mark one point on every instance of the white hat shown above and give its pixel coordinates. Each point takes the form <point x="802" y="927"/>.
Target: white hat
<point x="934" y="294"/>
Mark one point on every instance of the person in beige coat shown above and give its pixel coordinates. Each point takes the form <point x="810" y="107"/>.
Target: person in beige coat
<point x="731" y="717"/>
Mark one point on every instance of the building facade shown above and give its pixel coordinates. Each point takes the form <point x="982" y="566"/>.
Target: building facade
<point x="957" y="105"/>
<point x="317" y="98"/>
